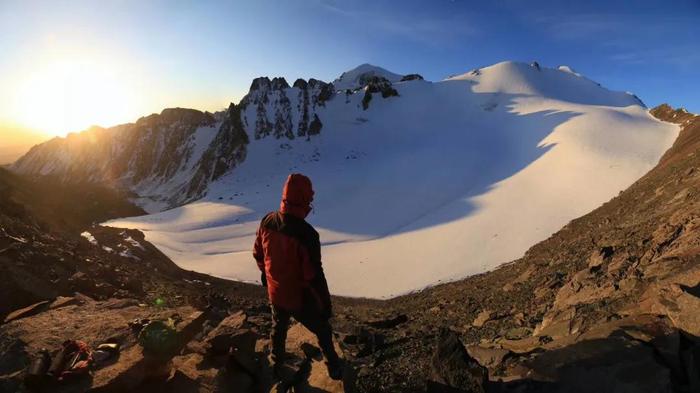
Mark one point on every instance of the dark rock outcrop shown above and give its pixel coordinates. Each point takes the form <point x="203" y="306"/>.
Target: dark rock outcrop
<point x="315" y="126"/>
<point x="283" y="117"/>
<point x="276" y="104"/>
<point x="381" y="85"/>
<point x="376" y="84"/>
<point x="325" y="91"/>
<point x="230" y="331"/>
<point x="279" y="83"/>
<point x="227" y="150"/>
<point x="260" y="83"/>
<point x="366" y="100"/>
<point x="300" y="84"/>
<point x="411" y="77"/>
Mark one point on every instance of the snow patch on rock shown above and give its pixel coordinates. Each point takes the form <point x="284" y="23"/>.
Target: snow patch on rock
<point x="89" y="237"/>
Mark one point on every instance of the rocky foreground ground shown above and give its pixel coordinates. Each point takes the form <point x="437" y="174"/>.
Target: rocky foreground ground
<point x="611" y="303"/>
<point x="216" y="350"/>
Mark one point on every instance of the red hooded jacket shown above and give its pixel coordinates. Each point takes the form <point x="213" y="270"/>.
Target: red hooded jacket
<point x="288" y="252"/>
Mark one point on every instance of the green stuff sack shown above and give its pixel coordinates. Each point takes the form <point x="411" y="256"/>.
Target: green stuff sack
<point x="159" y="337"/>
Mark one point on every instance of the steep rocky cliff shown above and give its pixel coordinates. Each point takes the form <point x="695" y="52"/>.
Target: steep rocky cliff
<point x="154" y="156"/>
<point x="273" y="108"/>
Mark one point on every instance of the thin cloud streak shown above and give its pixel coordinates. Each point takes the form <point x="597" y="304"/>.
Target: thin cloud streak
<point x="625" y="35"/>
<point x="580" y="26"/>
<point x="680" y="56"/>
<point x="424" y="29"/>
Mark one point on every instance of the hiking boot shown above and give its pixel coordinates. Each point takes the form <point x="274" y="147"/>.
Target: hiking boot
<point x="290" y="372"/>
<point x="335" y="370"/>
<point x="278" y="371"/>
<point x="276" y="364"/>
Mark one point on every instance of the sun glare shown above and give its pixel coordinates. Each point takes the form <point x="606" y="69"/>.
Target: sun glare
<point x="71" y="95"/>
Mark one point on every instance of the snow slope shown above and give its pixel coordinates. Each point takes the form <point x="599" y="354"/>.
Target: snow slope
<point x="449" y="179"/>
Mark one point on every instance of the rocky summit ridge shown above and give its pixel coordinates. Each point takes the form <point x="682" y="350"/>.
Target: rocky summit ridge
<point x="169" y="159"/>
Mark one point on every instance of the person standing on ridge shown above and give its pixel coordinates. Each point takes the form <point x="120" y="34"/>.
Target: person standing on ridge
<point x="288" y="252"/>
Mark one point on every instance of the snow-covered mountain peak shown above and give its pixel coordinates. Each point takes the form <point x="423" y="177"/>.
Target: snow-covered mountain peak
<point x="358" y="76"/>
<point x="534" y="80"/>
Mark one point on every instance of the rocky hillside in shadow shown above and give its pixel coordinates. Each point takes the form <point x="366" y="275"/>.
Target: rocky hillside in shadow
<point x="44" y="255"/>
<point x="61" y="207"/>
<point x="610" y="303"/>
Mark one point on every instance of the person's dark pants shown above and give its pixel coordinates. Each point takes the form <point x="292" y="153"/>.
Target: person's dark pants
<point x="311" y="320"/>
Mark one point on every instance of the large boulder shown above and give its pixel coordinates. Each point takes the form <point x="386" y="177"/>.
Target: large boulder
<point x="614" y="364"/>
<point x="675" y="299"/>
<point x="312" y="374"/>
<point x="229" y="332"/>
<point x="489" y="357"/>
<point x="633" y="354"/>
<point x="453" y="367"/>
<point x="27" y="311"/>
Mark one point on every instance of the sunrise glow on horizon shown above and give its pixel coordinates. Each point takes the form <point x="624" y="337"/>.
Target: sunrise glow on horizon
<point x="70" y="90"/>
<point x="72" y="94"/>
<point x="68" y="66"/>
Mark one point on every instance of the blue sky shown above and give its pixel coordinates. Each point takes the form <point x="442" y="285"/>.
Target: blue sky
<point x="204" y="54"/>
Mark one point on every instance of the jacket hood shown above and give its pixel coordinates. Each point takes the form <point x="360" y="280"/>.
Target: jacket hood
<point x="297" y="195"/>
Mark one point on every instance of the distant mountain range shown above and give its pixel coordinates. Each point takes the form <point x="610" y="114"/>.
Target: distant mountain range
<point x="16" y="141"/>
<point x="170" y="158"/>
<point x="483" y="164"/>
